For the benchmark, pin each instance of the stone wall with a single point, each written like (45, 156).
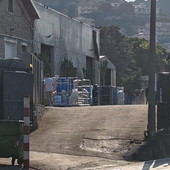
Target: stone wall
(16, 25)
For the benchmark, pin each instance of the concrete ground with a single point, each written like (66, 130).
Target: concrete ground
(89, 138)
(52, 161)
(102, 131)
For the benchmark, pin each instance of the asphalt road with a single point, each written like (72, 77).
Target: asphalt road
(103, 132)
(87, 137)
(92, 131)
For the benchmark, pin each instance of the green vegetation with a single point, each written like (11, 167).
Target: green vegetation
(68, 69)
(130, 56)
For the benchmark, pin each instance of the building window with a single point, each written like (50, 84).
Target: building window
(24, 47)
(10, 48)
(10, 6)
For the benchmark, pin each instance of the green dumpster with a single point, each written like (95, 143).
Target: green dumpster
(11, 140)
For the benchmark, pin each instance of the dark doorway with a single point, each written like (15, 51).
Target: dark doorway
(47, 55)
(89, 68)
(108, 77)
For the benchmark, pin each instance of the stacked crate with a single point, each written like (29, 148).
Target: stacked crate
(84, 89)
(64, 87)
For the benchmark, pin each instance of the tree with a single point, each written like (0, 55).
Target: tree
(67, 69)
(130, 56)
(117, 49)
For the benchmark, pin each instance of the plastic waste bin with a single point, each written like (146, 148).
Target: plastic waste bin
(11, 140)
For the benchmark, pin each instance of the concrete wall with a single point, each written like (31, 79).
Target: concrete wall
(70, 38)
(15, 26)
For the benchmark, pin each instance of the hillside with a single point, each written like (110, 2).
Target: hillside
(126, 15)
(164, 6)
(60, 5)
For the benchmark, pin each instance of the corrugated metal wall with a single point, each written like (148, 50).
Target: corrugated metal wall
(16, 85)
(19, 80)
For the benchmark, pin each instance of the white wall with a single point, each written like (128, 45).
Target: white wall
(70, 38)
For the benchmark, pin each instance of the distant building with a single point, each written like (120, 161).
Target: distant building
(141, 9)
(162, 32)
(117, 3)
(87, 7)
(141, 32)
(16, 27)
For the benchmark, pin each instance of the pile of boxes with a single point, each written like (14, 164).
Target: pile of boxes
(71, 91)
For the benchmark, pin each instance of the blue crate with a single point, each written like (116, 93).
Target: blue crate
(65, 83)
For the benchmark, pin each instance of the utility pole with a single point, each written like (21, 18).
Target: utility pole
(152, 65)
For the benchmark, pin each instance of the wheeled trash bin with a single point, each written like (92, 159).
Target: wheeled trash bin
(11, 140)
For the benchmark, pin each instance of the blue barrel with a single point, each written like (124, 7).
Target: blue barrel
(71, 84)
(64, 84)
(57, 100)
(58, 88)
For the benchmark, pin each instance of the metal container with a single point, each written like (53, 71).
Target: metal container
(163, 116)
(15, 86)
(106, 95)
(16, 82)
(11, 140)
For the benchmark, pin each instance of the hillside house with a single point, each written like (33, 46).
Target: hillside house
(87, 7)
(117, 3)
(141, 9)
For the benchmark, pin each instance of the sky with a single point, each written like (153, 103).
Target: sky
(130, 0)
